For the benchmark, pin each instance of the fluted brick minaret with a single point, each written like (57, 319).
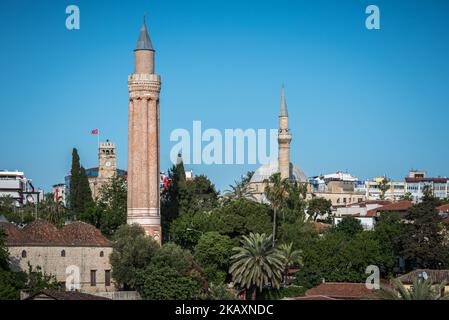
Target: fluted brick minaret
(143, 140)
(284, 140)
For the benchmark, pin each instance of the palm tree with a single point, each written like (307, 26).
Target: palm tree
(384, 186)
(256, 263)
(422, 289)
(241, 188)
(276, 191)
(290, 256)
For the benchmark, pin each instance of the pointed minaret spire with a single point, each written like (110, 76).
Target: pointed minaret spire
(144, 41)
(284, 139)
(284, 112)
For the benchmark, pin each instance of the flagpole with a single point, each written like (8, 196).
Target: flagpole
(98, 137)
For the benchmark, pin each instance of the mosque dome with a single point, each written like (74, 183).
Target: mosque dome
(267, 170)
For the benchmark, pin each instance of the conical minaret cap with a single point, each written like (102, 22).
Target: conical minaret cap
(284, 112)
(144, 41)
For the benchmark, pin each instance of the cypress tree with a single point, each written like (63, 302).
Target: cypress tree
(80, 197)
(179, 175)
(74, 181)
(84, 192)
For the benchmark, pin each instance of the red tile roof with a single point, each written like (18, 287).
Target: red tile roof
(43, 233)
(443, 208)
(314, 298)
(340, 290)
(402, 205)
(435, 180)
(319, 226)
(435, 276)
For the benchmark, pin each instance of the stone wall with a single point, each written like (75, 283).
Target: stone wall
(52, 262)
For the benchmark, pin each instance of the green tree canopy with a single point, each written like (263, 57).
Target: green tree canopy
(340, 258)
(110, 209)
(350, 226)
(318, 207)
(171, 275)
(132, 252)
(80, 196)
(213, 253)
(241, 217)
(423, 243)
(277, 192)
(4, 254)
(384, 186)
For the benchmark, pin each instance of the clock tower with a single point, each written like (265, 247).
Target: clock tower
(107, 161)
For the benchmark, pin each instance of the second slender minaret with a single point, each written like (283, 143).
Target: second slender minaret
(284, 140)
(143, 140)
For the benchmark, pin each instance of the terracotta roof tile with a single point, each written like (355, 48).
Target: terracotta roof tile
(443, 208)
(435, 180)
(403, 205)
(43, 233)
(340, 290)
(82, 234)
(319, 226)
(314, 298)
(436, 276)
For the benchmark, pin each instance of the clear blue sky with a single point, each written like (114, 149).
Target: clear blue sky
(370, 102)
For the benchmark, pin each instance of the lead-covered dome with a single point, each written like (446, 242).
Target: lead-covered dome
(267, 170)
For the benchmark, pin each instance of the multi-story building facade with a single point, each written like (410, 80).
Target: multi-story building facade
(340, 188)
(417, 181)
(395, 192)
(14, 184)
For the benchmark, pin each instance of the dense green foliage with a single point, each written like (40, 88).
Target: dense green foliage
(350, 226)
(80, 196)
(234, 219)
(132, 252)
(423, 243)
(108, 213)
(171, 275)
(257, 263)
(318, 207)
(213, 253)
(338, 257)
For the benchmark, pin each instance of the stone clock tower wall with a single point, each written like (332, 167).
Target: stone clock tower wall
(143, 140)
(107, 168)
(107, 160)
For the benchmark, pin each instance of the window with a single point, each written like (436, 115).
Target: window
(63, 253)
(107, 278)
(93, 278)
(24, 254)
(101, 254)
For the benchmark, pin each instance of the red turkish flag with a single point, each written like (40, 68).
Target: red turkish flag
(95, 131)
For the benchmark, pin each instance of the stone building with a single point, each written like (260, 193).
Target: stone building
(107, 169)
(417, 181)
(76, 246)
(143, 139)
(339, 187)
(282, 165)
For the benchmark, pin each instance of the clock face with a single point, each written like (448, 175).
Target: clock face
(107, 164)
